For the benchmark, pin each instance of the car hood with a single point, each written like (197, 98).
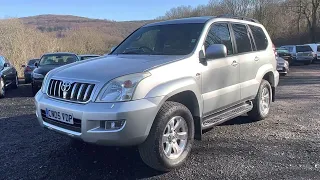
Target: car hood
(105, 68)
(44, 69)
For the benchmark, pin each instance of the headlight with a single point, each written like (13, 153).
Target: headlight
(44, 84)
(37, 76)
(121, 88)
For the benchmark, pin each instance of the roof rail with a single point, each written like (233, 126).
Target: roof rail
(238, 17)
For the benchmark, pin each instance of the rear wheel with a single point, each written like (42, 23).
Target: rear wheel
(261, 104)
(16, 83)
(170, 139)
(2, 88)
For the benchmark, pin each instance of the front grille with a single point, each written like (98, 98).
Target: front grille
(77, 92)
(76, 126)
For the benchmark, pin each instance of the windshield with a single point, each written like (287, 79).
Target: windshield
(171, 39)
(303, 48)
(282, 50)
(60, 59)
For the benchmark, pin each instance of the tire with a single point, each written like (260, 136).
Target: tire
(152, 151)
(15, 85)
(27, 81)
(2, 88)
(259, 112)
(307, 63)
(34, 90)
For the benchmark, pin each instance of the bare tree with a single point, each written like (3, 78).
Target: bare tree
(309, 9)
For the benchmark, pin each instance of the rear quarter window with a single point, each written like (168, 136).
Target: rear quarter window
(303, 48)
(318, 48)
(242, 38)
(259, 37)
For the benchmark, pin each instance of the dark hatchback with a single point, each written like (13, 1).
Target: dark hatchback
(8, 76)
(47, 63)
(28, 70)
(285, 54)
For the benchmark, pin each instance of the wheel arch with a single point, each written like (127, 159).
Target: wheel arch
(185, 91)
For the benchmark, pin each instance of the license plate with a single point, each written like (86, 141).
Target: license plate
(59, 116)
(279, 69)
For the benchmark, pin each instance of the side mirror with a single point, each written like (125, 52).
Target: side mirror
(36, 64)
(23, 66)
(112, 48)
(216, 51)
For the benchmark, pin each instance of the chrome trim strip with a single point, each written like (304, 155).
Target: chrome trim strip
(59, 94)
(55, 87)
(85, 97)
(79, 92)
(51, 86)
(73, 90)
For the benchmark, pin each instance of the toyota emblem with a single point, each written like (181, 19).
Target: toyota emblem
(65, 87)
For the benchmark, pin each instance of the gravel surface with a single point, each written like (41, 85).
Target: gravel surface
(283, 146)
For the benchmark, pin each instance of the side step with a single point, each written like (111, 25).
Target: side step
(225, 115)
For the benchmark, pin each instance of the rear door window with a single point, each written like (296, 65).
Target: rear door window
(241, 35)
(32, 62)
(259, 37)
(219, 34)
(303, 48)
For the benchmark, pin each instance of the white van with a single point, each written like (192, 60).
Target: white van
(301, 53)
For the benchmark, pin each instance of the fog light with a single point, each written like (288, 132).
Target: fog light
(112, 125)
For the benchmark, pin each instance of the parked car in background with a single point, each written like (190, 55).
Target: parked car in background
(301, 53)
(316, 51)
(285, 54)
(282, 66)
(8, 76)
(163, 85)
(47, 63)
(28, 70)
(87, 56)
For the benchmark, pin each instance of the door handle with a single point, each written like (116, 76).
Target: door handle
(234, 63)
(256, 59)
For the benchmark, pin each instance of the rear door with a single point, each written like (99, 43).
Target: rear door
(249, 59)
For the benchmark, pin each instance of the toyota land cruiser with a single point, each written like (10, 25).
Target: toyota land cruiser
(162, 86)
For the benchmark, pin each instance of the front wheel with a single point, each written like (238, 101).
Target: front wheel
(170, 139)
(307, 63)
(261, 104)
(34, 89)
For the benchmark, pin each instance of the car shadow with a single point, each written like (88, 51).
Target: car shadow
(49, 155)
(238, 121)
(24, 90)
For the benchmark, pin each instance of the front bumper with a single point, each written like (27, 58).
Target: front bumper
(138, 116)
(282, 69)
(37, 83)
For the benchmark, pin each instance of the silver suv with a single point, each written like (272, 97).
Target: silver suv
(162, 86)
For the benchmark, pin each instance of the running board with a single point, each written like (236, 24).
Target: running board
(226, 115)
